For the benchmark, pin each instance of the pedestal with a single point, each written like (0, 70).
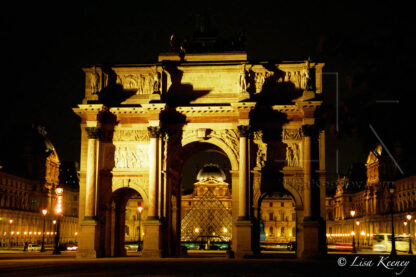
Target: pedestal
(88, 238)
(310, 239)
(152, 242)
(242, 243)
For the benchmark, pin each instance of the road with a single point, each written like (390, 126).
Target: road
(45, 264)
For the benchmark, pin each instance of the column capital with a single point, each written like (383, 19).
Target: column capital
(244, 130)
(93, 132)
(308, 130)
(154, 132)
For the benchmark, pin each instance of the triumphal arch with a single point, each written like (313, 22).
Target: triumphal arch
(141, 123)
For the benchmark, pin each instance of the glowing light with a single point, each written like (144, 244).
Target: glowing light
(18, 233)
(44, 211)
(352, 212)
(25, 233)
(409, 217)
(362, 233)
(12, 233)
(54, 221)
(140, 209)
(30, 233)
(225, 230)
(76, 233)
(10, 221)
(197, 230)
(405, 223)
(358, 223)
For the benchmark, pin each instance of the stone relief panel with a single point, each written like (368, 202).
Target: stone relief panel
(260, 78)
(299, 77)
(131, 156)
(131, 135)
(292, 134)
(293, 154)
(143, 83)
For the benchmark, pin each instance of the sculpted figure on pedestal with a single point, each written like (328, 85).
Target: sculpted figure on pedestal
(95, 81)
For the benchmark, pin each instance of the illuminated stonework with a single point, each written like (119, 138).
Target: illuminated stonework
(371, 201)
(153, 118)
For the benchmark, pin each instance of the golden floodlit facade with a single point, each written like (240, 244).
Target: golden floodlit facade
(141, 123)
(372, 203)
(23, 198)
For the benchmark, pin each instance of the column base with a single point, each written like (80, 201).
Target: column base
(242, 243)
(152, 246)
(87, 239)
(310, 239)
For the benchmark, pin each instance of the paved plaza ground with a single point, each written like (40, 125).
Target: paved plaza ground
(46, 264)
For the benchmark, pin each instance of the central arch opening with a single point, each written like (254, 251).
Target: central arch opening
(206, 201)
(127, 216)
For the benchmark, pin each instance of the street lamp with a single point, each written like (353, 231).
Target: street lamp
(59, 211)
(358, 230)
(393, 239)
(44, 212)
(139, 209)
(10, 232)
(409, 218)
(354, 250)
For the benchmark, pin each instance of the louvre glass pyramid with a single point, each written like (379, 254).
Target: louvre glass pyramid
(208, 218)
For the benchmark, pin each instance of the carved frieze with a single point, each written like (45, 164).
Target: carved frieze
(128, 156)
(300, 78)
(260, 78)
(143, 83)
(131, 135)
(292, 134)
(293, 154)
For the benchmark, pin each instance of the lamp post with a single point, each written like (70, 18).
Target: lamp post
(393, 239)
(354, 250)
(409, 218)
(54, 226)
(44, 213)
(358, 232)
(58, 210)
(10, 232)
(139, 209)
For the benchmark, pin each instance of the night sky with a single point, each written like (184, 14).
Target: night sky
(45, 44)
